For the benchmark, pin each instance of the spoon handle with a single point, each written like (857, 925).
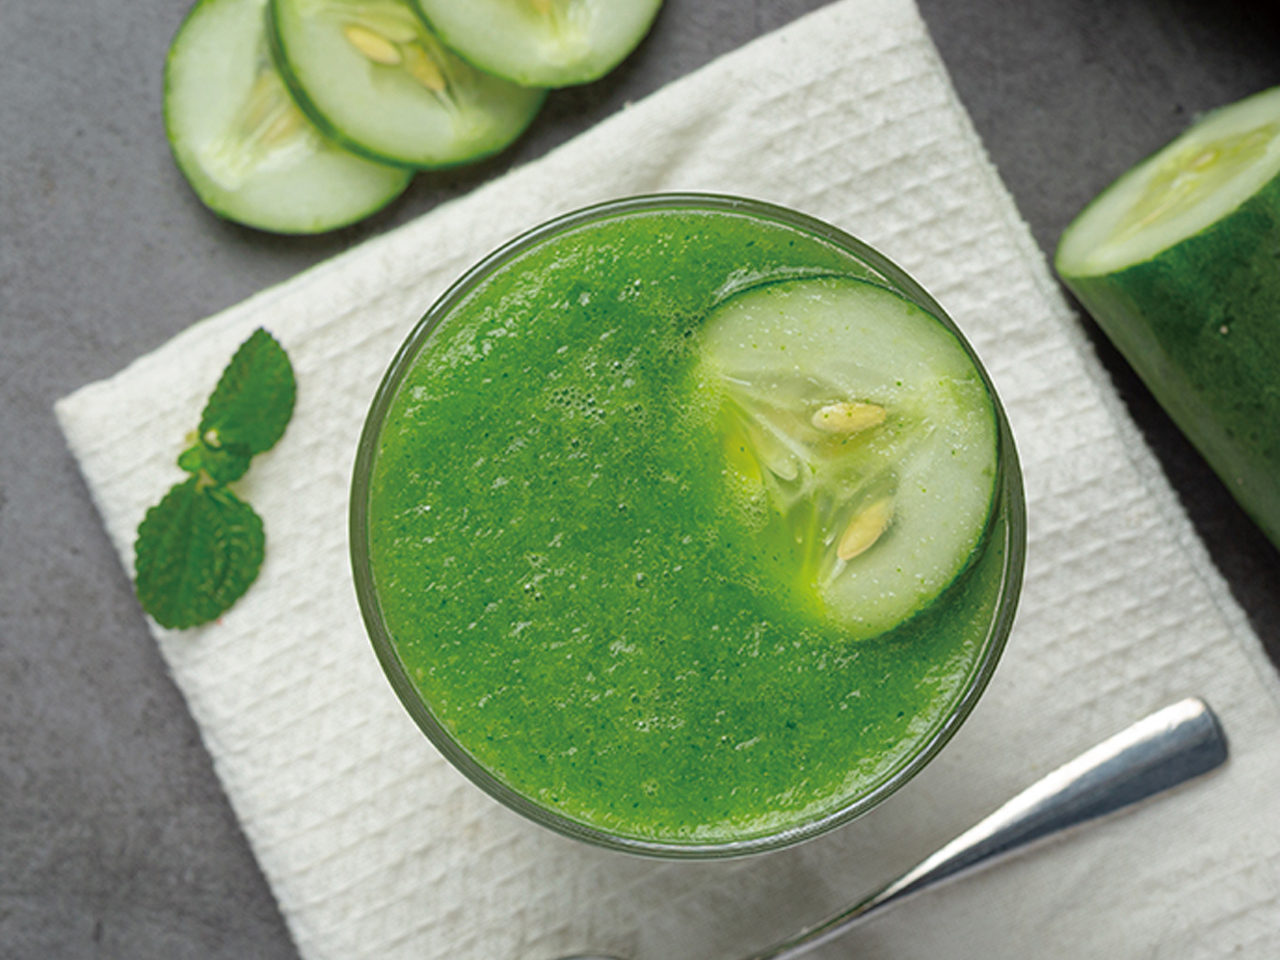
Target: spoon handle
(1171, 746)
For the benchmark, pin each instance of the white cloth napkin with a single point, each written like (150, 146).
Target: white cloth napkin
(376, 848)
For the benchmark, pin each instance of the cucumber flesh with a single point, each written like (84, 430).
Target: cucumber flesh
(241, 142)
(860, 442)
(375, 79)
(1193, 182)
(542, 43)
(1177, 262)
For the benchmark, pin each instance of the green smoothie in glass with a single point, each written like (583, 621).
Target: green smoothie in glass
(687, 525)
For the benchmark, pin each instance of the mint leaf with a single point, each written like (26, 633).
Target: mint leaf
(253, 400)
(198, 550)
(221, 464)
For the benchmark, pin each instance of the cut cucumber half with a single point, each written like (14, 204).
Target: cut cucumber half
(1191, 184)
(1179, 263)
(543, 43)
(375, 79)
(860, 442)
(241, 142)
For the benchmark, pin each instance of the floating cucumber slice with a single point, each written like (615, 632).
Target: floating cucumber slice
(241, 142)
(543, 43)
(860, 441)
(373, 77)
(1179, 263)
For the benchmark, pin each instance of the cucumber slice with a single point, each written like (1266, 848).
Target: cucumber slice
(860, 442)
(1179, 263)
(542, 43)
(373, 77)
(241, 142)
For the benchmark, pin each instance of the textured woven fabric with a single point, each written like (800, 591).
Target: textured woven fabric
(376, 848)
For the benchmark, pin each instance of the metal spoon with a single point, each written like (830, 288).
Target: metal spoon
(1167, 748)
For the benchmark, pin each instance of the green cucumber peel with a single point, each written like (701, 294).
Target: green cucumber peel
(200, 548)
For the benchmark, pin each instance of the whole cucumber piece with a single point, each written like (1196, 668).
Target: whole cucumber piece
(1179, 263)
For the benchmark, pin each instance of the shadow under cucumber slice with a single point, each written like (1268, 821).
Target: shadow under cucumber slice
(248, 152)
(377, 80)
(860, 442)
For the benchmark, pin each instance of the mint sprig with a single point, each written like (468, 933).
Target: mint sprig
(200, 548)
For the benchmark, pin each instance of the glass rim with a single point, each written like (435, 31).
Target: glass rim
(1008, 502)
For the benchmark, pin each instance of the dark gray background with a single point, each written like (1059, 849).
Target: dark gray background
(115, 837)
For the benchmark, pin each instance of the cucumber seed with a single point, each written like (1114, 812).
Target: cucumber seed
(866, 527)
(373, 45)
(848, 417)
(424, 69)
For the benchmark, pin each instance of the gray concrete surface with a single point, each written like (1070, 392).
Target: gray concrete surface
(115, 838)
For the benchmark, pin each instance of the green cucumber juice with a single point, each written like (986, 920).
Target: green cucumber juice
(680, 528)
